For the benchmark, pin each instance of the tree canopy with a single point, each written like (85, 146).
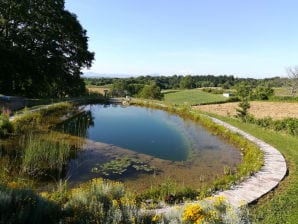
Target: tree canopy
(43, 48)
(186, 82)
(151, 91)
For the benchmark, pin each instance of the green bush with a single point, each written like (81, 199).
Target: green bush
(288, 125)
(25, 206)
(213, 90)
(151, 91)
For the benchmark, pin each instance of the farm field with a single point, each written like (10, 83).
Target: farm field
(192, 97)
(97, 89)
(276, 110)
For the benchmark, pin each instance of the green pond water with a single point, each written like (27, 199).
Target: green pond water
(148, 131)
(178, 148)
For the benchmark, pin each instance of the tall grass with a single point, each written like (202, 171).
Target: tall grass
(6, 126)
(41, 118)
(45, 156)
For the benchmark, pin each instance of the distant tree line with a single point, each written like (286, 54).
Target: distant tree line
(134, 85)
(43, 48)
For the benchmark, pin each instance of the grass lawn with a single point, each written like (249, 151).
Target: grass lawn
(192, 97)
(280, 205)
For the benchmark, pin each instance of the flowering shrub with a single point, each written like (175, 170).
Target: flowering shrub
(100, 201)
(194, 213)
(214, 210)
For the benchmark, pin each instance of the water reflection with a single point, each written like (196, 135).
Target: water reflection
(78, 125)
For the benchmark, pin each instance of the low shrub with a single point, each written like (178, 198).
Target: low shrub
(288, 125)
(100, 201)
(213, 90)
(25, 206)
(214, 210)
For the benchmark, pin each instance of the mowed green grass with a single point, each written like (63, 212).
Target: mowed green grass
(192, 97)
(281, 205)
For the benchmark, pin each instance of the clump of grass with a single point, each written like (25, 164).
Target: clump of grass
(27, 122)
(45, 156)
(6, 126)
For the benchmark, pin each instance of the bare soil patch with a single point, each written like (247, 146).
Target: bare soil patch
(276, 110)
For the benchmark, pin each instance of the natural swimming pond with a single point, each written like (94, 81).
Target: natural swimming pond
(143, 147)
(139, 146)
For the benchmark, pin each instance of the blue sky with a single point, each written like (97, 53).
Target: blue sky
(255, 38)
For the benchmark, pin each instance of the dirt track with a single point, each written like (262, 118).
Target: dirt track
(276, 110)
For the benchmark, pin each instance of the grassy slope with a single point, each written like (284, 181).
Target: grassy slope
(193, 96)
(281, 205)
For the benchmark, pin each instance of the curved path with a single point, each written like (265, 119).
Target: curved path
(272, 172)
(251, 189)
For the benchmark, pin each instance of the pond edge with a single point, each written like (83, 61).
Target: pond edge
(251, 189)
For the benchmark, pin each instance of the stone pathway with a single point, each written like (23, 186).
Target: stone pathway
(251, 189)
(272, 172)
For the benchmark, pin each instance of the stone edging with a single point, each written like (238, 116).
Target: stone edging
(251, 189)
(272, 172)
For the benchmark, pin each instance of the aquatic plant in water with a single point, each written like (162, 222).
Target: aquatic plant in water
(121, 166)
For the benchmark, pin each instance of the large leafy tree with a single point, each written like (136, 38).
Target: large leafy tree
(43, 48)
(186, 82)
(151, 91)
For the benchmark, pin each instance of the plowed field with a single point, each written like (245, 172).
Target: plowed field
(276, 110)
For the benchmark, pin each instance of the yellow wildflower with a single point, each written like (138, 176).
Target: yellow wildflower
(155, 218)
(12, 184)
(193, 213)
